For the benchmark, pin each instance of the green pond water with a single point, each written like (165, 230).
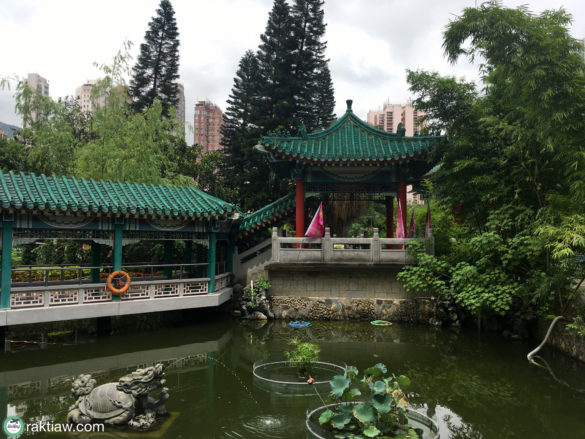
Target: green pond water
(474, 385)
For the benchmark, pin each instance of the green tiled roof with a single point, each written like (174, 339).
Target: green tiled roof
(264, 216)
(348, 141)
(30, 191)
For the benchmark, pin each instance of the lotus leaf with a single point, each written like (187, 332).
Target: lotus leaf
(371, 431)
(353, 393)
(364, 413)
(325, 416)
(338, 385)
(351, 371)
(382, 403)
(378, 387)
(376, 370)
(403, 381)
(341, 419)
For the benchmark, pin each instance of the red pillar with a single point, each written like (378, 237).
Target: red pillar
(300, 200)
(402, 198)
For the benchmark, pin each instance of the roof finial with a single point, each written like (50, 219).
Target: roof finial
(349, 102)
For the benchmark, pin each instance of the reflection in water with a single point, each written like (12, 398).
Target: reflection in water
(474, 386)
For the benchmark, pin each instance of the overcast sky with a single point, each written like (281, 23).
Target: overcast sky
(371, 43)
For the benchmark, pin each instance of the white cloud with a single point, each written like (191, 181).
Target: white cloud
(370, 42)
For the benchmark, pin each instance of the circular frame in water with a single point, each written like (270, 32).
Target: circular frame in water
(415, 419)
(280, 376)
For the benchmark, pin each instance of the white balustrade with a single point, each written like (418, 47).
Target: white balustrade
(27, 299)
(330, 250)
(194, 288)
(166, 290)
(93, 295)
(136, 292)
(38, 297)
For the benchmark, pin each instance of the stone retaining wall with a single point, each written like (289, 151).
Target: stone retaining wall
(342, 308)
(563, 340)
(337, 282)
(337, 292)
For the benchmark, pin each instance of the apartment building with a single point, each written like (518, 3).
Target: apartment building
(207, 123)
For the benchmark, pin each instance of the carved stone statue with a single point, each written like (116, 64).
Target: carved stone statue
(122, 402)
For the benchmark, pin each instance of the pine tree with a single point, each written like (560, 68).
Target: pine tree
(157, 67)
(324, 99)
(244, 167)
(285, 84)
(275, 58)
(310, 71)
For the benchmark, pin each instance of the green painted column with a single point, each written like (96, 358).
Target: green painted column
(188, 257)
(117, 252)
(95, 262)
(168, 271)
(230, 258)
(200, 259)
(211, 259)
(6, 277)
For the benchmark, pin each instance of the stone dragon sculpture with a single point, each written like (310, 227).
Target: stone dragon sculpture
(125, 402)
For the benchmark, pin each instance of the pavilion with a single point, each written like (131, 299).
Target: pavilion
(349, 157)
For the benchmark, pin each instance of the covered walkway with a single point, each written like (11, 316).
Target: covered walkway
(114, 214)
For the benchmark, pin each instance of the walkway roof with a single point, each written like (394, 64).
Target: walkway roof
(66, 194)
(263, 217)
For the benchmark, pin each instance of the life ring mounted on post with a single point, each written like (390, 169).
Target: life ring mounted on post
(115, 280)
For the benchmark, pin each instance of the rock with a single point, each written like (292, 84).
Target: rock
(236, 313)
(256, 315)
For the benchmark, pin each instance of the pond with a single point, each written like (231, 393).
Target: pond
(474, 385)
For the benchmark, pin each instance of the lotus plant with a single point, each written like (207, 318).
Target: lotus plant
(371, 406)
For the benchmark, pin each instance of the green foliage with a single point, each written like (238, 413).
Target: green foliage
(207, 175)
(50, 130)
(13, 156)
(577, 325)
(130, 147)
(485, 272)
(157, 66)
(371, 406)
(113, 143)
(303, 355)
(250, 292)
(512, 164)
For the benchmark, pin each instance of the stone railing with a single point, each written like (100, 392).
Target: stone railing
(59, 295)
(330, 250)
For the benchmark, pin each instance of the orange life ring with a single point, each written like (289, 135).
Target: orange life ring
(120, 290)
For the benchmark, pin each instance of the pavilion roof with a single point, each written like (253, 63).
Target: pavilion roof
(349, 141)
(66, 194)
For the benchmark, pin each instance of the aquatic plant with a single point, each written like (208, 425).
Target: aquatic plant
(304, 355)
(371, 406)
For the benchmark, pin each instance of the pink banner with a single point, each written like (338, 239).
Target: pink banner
(317, 226)
(400, 222)
(411, 230)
